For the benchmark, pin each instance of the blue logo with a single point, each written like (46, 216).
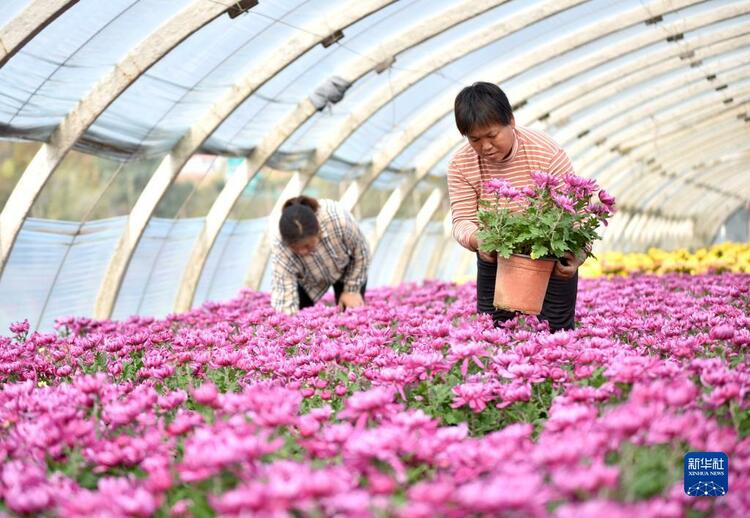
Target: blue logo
(706, 473)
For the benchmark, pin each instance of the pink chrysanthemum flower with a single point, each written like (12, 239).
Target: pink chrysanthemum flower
(564, 202)
(502, 188)
(545, 180)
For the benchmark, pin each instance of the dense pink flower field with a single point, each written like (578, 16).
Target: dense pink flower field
(408, 407)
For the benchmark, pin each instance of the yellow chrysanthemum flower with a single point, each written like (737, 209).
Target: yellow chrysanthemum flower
(723, 257)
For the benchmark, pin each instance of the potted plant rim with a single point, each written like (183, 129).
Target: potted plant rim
(532, 227)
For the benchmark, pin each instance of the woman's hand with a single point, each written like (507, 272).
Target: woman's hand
(351, 300)
(567, 266)
(487, 257)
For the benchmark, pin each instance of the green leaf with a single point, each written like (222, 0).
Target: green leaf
(538, 251)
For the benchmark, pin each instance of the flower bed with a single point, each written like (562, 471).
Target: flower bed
(724, 257)
(407, 407)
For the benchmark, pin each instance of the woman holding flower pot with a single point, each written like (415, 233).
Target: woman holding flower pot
(504, 170)
(319, 245)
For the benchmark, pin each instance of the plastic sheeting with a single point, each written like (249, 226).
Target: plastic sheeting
(423, 252)
(153, 276)
(152, 114)
(385, 258)
(62, 63)
(10, 9)
(51, 73)
(229, 260)
(55, 270)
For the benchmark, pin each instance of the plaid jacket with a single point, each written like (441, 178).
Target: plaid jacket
(341, 254)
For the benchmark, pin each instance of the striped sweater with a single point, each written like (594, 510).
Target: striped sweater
(467, 172)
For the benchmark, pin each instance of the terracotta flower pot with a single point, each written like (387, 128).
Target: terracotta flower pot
(521, 283)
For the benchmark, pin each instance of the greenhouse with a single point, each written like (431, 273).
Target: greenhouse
(182, 182)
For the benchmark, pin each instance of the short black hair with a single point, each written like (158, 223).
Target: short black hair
(298, 220)
(481, 104)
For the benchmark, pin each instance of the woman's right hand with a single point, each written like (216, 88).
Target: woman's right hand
(487, 257)
(350, 300)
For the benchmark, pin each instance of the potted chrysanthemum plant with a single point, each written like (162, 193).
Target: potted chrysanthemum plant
(533, 227)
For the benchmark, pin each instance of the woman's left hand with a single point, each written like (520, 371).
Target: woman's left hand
(350, 300)
(568, 270)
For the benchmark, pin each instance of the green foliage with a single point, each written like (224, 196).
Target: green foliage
(647, 471)
(198, 499)
(130, 369)
(75, 466)
(226, 379)
(596, 380)
(740, 419)
(545, 227)
(731, 414)
(737, 360)
(435, 399)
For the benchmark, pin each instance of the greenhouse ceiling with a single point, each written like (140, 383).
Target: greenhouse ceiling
(648, 97)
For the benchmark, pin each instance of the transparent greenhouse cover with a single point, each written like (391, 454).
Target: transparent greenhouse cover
(62, 63)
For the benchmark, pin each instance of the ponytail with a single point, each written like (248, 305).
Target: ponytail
(298, 220)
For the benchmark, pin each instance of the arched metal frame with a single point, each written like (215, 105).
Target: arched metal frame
(641, 188)
(690, 197)
(629, 110)
(713, 224)
(673, 186)
(648, 236)
(437, 254)
(434, 113)
(610, 82)
(466, 45)
(717, 172)
(686, 151)
(624, 163)
(189, 144)
(424, 163)
(666, 146)
(614, 230)
(703, 167)
(422, 220)
(396, 145)
(619, 224)
(624, 135)
(722, 206)
(398, 194)
(166, 37)
(635, 225)
(678, 123)
(28, 23)
(437, 110)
